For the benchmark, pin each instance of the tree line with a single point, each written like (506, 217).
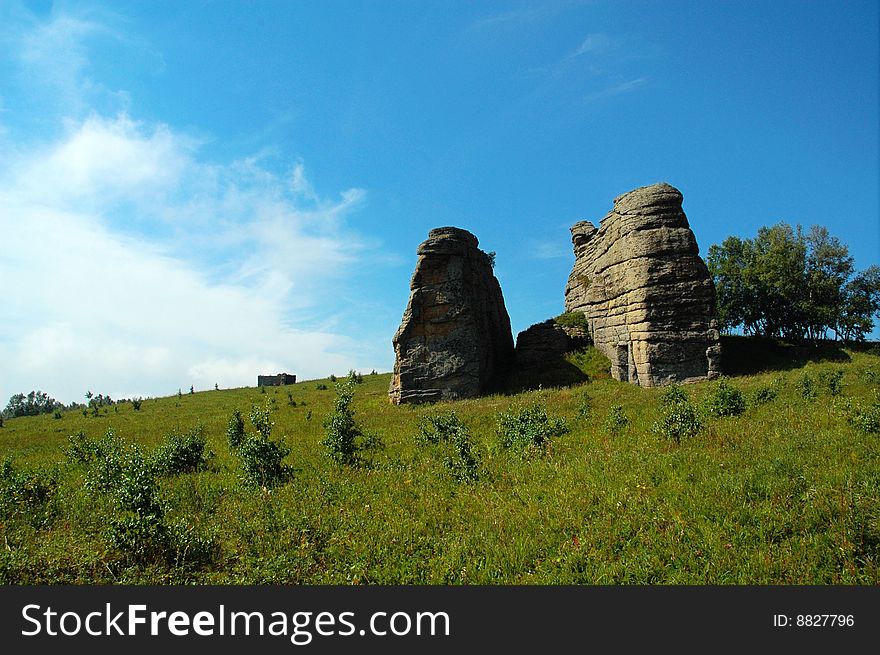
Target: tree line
(795, 284)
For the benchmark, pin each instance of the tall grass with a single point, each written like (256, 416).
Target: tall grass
(787, 491)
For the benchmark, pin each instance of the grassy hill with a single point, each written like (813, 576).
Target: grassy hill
(788, 491)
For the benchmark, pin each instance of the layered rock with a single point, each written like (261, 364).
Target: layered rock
(454, 340)
(646, 293)
(547, 342)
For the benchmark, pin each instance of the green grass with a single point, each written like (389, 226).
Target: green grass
(788, 492)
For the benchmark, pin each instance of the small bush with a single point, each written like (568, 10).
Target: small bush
(679, 418)
(139, 529)
(616, 420)
(57, 414)
(136, 404)
(764, 394)
(528, 430)
(261, 461)
(83, 450)
(807, 387)
(867, 419)
(261, 418)
(438, 428)
(462, 462)
(446, 430)
(584, 406)
(182, 453)
(343, 437)
(833, 381)
(261, 458)
(235, 430)
(355, 377)
(725, 400)
(27, 495)
(573, 320)
(321, 387)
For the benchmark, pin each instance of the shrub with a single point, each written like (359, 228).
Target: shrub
(139, 528)
(833, 381)
(261, 461)
(764, 394)
(867, 419)
(529, 429)
(438, 428)
(678, 418)
(57, 414)
(261, 458)
(573, 320)
(807, 387)
(448, 432)
(182, 453)
(262, 420)
(725, 400)
(321, 387)
(136, 404)
(341, 432)
(585, 406)
(27, 495)
(616, 420)
(235, 430)
(355, 377)
(462, 462)
(872, 374)
(82, 449)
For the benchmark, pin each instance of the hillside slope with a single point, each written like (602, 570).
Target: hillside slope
(788, 491)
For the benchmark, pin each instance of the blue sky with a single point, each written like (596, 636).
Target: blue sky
(193, 192)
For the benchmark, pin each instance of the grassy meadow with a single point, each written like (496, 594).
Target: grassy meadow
(787, 491)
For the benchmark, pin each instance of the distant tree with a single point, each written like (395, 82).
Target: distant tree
(861, 303)
(784, 283)
(32, 404)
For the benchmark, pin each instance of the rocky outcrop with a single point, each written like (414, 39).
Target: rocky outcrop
(454, 340)
(646, 293)
(547, 342)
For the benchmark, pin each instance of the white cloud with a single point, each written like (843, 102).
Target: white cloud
(616, 89)
(596, 43)
(131, 265)
(132, 268)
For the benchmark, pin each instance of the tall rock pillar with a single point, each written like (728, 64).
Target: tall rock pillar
(646, 293)
(454, 340)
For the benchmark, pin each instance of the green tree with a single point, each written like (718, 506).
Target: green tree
(861, 303)
(32, 404)
(784, 283)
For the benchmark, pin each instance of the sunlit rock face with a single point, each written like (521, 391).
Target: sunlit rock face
(454, 340)
(646, 293)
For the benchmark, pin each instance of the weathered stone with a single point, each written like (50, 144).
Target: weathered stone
(645, 291)
(275, 380)
(547, 342)
(454, 340)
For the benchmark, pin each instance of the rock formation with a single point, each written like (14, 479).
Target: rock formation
(547, 342)
(454, 340)
(646, 293)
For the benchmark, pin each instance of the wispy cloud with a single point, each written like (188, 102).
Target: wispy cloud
(597, 43)
(134, 265)
(550, 250)
(616, 89)
(514, 17)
